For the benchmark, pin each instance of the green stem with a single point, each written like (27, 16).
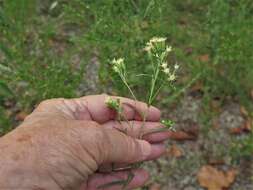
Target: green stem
(153, 83)
(130, 90)
(157, 92)
(128, 87)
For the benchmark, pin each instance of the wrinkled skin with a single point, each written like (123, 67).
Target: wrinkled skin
(64, 144)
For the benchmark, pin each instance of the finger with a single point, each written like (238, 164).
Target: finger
(150, 131)
(132, 110)
(103, 181)
(124, 149)
(158, 150)
(157, 137)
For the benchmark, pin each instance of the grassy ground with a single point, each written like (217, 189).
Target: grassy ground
(47, 47)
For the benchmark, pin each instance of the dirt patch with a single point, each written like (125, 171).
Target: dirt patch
(211, 147)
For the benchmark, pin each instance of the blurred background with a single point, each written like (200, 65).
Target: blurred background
(63, 48)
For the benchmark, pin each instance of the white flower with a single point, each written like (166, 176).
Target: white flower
(147, 48)
(172, 77)
(176, 66)
(164, 65)
(150, 44)
(115, 68)
(118, 65)
(157, 39)
(166, 71)
(168, 48)
(118, 61)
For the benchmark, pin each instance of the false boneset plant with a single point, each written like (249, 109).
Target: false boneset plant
(162, 74)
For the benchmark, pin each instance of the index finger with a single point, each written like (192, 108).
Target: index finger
(131, 109)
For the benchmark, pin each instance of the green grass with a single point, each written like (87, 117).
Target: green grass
(38, 43)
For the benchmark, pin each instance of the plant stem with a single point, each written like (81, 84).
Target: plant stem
(153, 83)
(130, 90)
(157, 92)
(128, 87)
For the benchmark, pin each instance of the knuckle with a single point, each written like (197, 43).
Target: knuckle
(132, 147)
(104, 96)
(49, 102)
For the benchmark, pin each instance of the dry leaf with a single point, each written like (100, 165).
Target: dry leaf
(214, 179)
(21, 116)
(204, 58)
(191, 129)
(155, 186)
(181, 136)
(187, 132)
(245, 128)
(213, 161)
(248, 125)
(175, 151)
(244, 112)
(236, 131)
(198, 86)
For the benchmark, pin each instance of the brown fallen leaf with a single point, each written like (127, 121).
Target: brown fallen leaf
(155, 186)
(214, 179)
(174, 151)
(236, 130)
(244, 112)
(192, 129)
(189, 130)
(198, 86)
(246, 127)
(215, 162)
(181, 136)
(204, 58)
(21, 116)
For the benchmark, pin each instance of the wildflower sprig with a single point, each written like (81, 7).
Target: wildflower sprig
(158, 52)
(162, 74)
(119, 67)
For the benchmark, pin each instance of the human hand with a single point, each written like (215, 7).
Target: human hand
(62, 144)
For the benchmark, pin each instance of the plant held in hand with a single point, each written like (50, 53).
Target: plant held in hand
(162, 74)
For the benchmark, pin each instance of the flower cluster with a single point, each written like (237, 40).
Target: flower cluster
(153, 42)
(171, 74)
(156, 46)
(113, 104)
(160, 73)
(118, 66)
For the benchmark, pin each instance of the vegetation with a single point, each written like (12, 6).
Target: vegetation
(45, 46)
